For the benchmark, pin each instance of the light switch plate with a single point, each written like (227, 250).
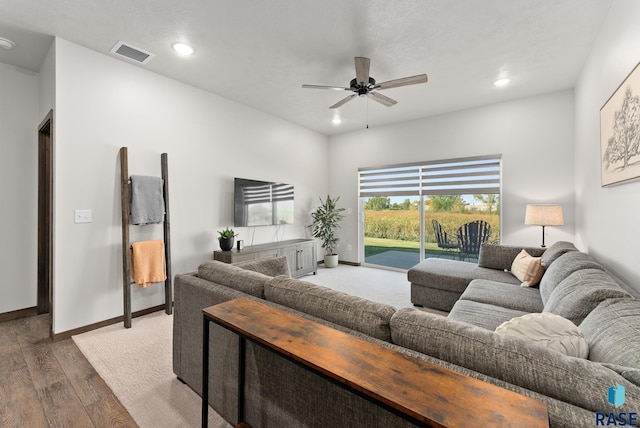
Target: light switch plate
(82, 216)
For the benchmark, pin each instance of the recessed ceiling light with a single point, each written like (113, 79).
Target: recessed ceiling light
(336, 121)
(183, 48)
(6, 43)
(502, 82)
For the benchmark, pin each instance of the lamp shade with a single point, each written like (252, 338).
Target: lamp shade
(544, 215)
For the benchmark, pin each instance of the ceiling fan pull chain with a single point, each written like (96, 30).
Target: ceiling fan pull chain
(367, 112)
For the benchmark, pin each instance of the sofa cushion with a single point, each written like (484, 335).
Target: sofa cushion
(511, 359)
(234, 277)
(561, 268)
(270, 266)
(501, 257)
(612, 330)
(510, 296)
(578, 294)
(434, 298)
(482, 314)
(527, 268)
(556, 250)
(549, 330)
(356, 313)
(454, 275)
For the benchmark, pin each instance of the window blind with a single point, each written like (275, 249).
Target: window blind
(268, 192)
(443, 177)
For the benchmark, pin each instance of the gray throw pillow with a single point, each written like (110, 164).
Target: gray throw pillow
(234, 277)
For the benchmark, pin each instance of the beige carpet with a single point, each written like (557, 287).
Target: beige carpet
(136, 364)
(379, 285)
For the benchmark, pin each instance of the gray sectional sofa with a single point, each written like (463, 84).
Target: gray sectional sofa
(281, 394)
(439, 283)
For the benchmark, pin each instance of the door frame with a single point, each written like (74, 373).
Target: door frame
(45, 219)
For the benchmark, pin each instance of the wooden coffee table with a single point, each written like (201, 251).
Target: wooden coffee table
(423, 393)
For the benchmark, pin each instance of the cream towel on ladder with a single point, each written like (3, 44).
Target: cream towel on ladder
(147, 262)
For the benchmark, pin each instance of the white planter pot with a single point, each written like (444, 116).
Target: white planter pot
(331, 261)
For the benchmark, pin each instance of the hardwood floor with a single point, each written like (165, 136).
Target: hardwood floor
(46, 384)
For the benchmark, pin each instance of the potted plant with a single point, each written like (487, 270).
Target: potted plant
(326, 220)
(226, 239)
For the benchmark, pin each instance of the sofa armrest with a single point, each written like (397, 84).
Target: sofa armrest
(191, 295)
(511, 359)
(495, 256)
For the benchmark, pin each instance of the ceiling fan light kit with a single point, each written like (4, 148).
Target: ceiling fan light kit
(6, 43)
(365, 85)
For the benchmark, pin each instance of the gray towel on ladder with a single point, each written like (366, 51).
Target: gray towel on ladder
(147, 201)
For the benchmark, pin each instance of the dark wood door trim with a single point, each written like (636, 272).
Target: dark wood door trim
(45, 217)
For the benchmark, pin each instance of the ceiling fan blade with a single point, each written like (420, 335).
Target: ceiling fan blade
(362, 70)
(343, 101)
(382, 99)
(334, 88)
(412, 80)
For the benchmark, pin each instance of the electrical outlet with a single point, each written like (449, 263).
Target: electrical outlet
(82, 216)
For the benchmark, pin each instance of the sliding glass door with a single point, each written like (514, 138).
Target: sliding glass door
(392, 231)
(443, 209)
(445, 220)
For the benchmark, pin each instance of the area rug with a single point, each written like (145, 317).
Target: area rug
(136, 364)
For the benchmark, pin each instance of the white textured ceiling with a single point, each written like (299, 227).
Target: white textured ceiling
(259, 53)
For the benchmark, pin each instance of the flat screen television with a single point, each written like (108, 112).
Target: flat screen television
(262, 203)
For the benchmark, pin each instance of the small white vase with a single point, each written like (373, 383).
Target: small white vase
(331, 261)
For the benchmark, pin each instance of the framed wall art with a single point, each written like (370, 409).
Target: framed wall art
(620, 132)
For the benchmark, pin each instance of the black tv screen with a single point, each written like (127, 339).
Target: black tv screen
(262, 203)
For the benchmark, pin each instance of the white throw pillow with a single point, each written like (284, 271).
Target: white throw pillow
(549, 330)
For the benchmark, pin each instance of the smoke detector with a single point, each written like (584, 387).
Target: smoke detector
(131, 53)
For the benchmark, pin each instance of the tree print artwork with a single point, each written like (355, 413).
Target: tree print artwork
(620, 132)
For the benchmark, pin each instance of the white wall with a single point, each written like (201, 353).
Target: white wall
(607, 220)
(18, 192)
(102, 104)
(534, 136)
(47, 84)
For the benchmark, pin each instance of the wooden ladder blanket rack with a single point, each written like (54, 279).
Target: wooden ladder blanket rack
(126, 245)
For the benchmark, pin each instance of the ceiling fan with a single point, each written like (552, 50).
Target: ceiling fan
(365, 85)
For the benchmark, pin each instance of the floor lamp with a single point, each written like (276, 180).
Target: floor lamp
(544, 215)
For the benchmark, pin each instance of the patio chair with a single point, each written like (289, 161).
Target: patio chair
(442, 238)
(471, 236)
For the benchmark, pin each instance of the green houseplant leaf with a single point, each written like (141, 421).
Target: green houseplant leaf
(326, 220)
(227, 233)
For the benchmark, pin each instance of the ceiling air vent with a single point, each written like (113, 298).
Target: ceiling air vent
(131, 53)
